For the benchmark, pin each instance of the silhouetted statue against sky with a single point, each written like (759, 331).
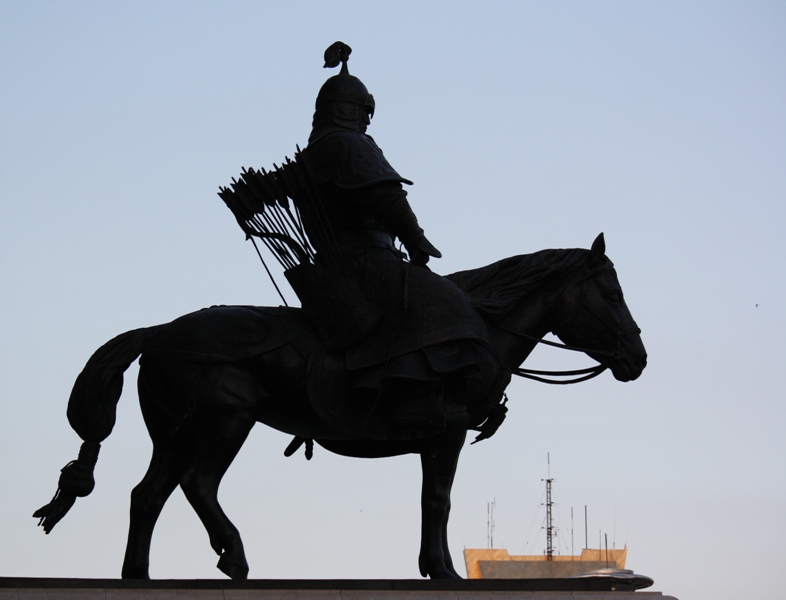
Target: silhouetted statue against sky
(385, 357)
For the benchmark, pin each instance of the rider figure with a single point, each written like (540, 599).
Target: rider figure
(423, 320)
(362, 194)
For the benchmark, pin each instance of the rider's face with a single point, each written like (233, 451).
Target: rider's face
(365, 120)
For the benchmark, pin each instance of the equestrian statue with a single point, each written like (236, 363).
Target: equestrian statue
(384, 357)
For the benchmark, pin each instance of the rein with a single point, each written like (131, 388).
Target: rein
(583, 374)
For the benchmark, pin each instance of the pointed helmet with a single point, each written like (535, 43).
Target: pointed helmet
(343, 101)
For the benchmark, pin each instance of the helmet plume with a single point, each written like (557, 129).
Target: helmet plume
(337, 52)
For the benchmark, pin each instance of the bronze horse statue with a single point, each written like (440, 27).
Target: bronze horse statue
(206, 378)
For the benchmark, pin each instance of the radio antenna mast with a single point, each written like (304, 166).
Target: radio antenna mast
(550, 533)
(490, 523)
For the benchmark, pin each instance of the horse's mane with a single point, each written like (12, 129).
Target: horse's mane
(495, 288)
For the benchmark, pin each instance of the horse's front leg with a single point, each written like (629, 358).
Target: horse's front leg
(439, 460)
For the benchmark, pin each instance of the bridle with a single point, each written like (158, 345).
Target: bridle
(579, 374)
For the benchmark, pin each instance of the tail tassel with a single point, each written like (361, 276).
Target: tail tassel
(76, 481)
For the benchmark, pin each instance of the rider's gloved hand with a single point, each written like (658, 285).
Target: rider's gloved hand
(392, 207)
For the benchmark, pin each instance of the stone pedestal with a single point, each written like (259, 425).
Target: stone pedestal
(12, 588)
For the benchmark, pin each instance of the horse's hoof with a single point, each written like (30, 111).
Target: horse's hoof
(129, 573)
(445, 574)
(233, 568)
(437, 572)
(423, 566)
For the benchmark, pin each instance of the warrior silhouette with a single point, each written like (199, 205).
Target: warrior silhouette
(407, 321)
(362, 194)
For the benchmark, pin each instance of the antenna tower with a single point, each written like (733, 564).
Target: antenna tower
(490, 523)
(550, 533)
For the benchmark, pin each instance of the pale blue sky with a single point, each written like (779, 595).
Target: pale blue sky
(524, 125)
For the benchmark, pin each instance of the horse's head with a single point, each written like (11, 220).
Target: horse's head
(594, 316)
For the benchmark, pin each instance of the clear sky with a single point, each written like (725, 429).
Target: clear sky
(524, 125)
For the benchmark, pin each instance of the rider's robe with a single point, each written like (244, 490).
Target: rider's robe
(427, 331)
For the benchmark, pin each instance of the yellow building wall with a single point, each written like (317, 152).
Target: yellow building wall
(472, 557)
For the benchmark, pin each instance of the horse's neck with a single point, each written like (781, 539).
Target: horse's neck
(515, 335)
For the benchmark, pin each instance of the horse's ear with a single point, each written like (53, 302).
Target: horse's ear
(598, 249)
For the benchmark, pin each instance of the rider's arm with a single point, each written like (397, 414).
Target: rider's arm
(388, 202)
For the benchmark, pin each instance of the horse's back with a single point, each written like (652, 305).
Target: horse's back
(228, 333)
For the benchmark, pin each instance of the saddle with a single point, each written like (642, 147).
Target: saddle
(410, 396)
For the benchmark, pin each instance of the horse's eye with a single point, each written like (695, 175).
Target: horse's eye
(615, 297)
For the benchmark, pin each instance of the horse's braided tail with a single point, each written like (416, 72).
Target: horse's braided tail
(91, 413)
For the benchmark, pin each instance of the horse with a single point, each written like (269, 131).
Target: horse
(203, 385)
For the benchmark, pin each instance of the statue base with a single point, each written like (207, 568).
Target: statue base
(23, 588)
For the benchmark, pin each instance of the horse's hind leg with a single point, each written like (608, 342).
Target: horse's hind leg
(217, 447)
(164, 473)
(147, 500)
